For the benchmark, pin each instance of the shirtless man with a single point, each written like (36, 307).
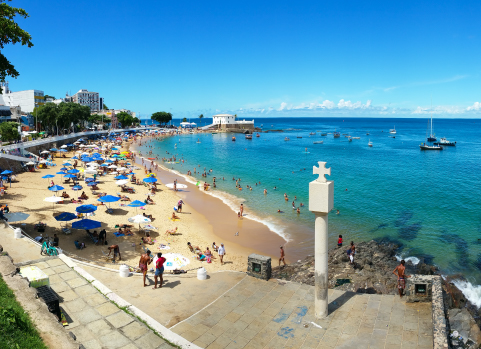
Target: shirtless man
(282, 257)
(145, 260)
(116, 250)
(401, 277)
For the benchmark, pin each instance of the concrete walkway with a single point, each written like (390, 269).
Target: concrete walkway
(180, 297)
(94, 319)
(258, 314)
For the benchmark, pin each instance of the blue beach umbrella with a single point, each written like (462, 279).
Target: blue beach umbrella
(86, 224)
(65, 216)
(70, 176)
(136, 203)
(104, 165)
(55, 188)
(48, 176)
(75, 158)
(86, 208)
(64, 169)
(89, 180)
(150, 180)
(109, 161)
(88, 159)
(54, 149)
(92, 184)
(77, 187)
(6, 172)
(121, 177)
(74, 170)
(63, 150)
(108, 198)
(61, 173)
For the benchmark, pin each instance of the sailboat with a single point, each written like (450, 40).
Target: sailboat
(370, 143)
(393, 131)
(432, 136)
(425, 146)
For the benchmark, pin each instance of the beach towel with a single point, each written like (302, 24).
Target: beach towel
(119, 234)
(176, 219)
(164, 247)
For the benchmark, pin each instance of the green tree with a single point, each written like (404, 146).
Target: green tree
(125, 119)
(161, 117)
(62, 116)
(105, 107)
(48, 96)
(11, 33)
(9, 131)
(136, 121)
(201, 116)
(184, 120)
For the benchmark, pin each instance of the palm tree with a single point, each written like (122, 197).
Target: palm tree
(200, 118)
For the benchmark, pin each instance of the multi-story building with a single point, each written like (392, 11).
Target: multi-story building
(92, 99)
(27, 100)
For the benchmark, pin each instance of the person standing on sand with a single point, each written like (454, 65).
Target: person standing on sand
(242, 210)
(116, 250)
(221, 251)
(144, 261)
(159, 270)
(401, 277)
(282, 257)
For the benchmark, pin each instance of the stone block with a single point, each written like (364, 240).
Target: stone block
(259, 266)
(120, 319)
(419, 288)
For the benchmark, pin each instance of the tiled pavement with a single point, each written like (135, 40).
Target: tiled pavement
(258, 314)
(95, 321)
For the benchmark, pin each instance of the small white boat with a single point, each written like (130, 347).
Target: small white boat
(248, 136)
(393, 131)
(287, 139)
(370, 143)
(356, 137)
(318, 142)
(444, 141)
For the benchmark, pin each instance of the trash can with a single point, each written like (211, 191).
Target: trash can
(17, 232)
(124, 271)
(202, 274)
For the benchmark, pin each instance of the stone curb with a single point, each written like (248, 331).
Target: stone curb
(439, 317)
(120, 302)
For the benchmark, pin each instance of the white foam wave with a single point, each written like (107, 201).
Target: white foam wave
(470, 291)
(413, 260)
(233, 202)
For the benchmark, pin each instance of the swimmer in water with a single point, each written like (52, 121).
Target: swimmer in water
(265, 191)
(275, 188)
(298, 210)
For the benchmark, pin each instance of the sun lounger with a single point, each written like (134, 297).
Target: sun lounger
(93, 238)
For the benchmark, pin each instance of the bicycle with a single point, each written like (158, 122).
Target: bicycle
(48, 248)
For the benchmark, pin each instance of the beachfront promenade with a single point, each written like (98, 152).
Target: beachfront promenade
(229, 310)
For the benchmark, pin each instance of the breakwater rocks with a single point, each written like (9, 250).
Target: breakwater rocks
(371, 272)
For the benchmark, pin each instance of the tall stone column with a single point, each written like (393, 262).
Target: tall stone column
(321, 202)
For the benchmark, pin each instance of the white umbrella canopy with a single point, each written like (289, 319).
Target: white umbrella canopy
(30, 163)
(45, 152)
(179, 186)
(88, 171)
(139, 219)
(173, 261)
(122, 182)
(93, 164)
(53, 199)
(63, 146)
(112, 166)
(121, 169)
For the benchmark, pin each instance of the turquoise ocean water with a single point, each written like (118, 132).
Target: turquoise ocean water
(428, 201)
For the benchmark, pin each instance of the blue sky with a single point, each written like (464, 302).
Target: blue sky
(257, 58)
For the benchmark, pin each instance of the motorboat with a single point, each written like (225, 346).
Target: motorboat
(324, 134)
(444, 142)
(337, 135)
(312, 133)
(318, 142)
(393, 131)
(248, 136)
(425, 146)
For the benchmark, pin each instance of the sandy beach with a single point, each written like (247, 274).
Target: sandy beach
(28, 194)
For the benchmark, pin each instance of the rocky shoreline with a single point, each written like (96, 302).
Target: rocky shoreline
(372, 273)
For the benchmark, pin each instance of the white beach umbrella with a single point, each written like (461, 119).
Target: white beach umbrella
(91, 171)
(43, 161)
(45, 152)
(139, 219)
(81, 146)
(53, 199)
(114, 173)
(63, 146)
(173, 261)
(30, 163)
(121, 169)
(112, 166)
(179, 186)
(122, 182)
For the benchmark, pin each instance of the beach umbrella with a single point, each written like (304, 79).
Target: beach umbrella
(121, 168)
(92, 184)
(63, 150)
(87, 159)
(89, 180)
(6, 172)
(109, 161)
(74, 170)
(86, 208)
(112, 166)
(77, 187)
(137, 203)
(139, 219)
(179, 186)
(48, 176)
(64, 169)
(61, 173)
(149, 227)
(90, 171)
(16, 216)
(86, 224)
(45, 152)
(75, 158)
(67, 164)
(174, 261)
(70, 175)
(54, 149)
(63, 146)
(55, 188)
(121, 182)
(53, 199)
(150, 180)
(121, 177)
(108, 198)
(30, 163)
(65, 216)
(104, 165)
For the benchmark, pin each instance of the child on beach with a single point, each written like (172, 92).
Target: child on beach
(339, 241)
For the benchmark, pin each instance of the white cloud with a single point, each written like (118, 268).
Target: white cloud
(476, 106)
(283, 106)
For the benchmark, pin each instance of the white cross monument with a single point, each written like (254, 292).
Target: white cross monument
(321, 202)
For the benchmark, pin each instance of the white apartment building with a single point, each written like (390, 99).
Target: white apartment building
(92, 99)
(27, 100)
